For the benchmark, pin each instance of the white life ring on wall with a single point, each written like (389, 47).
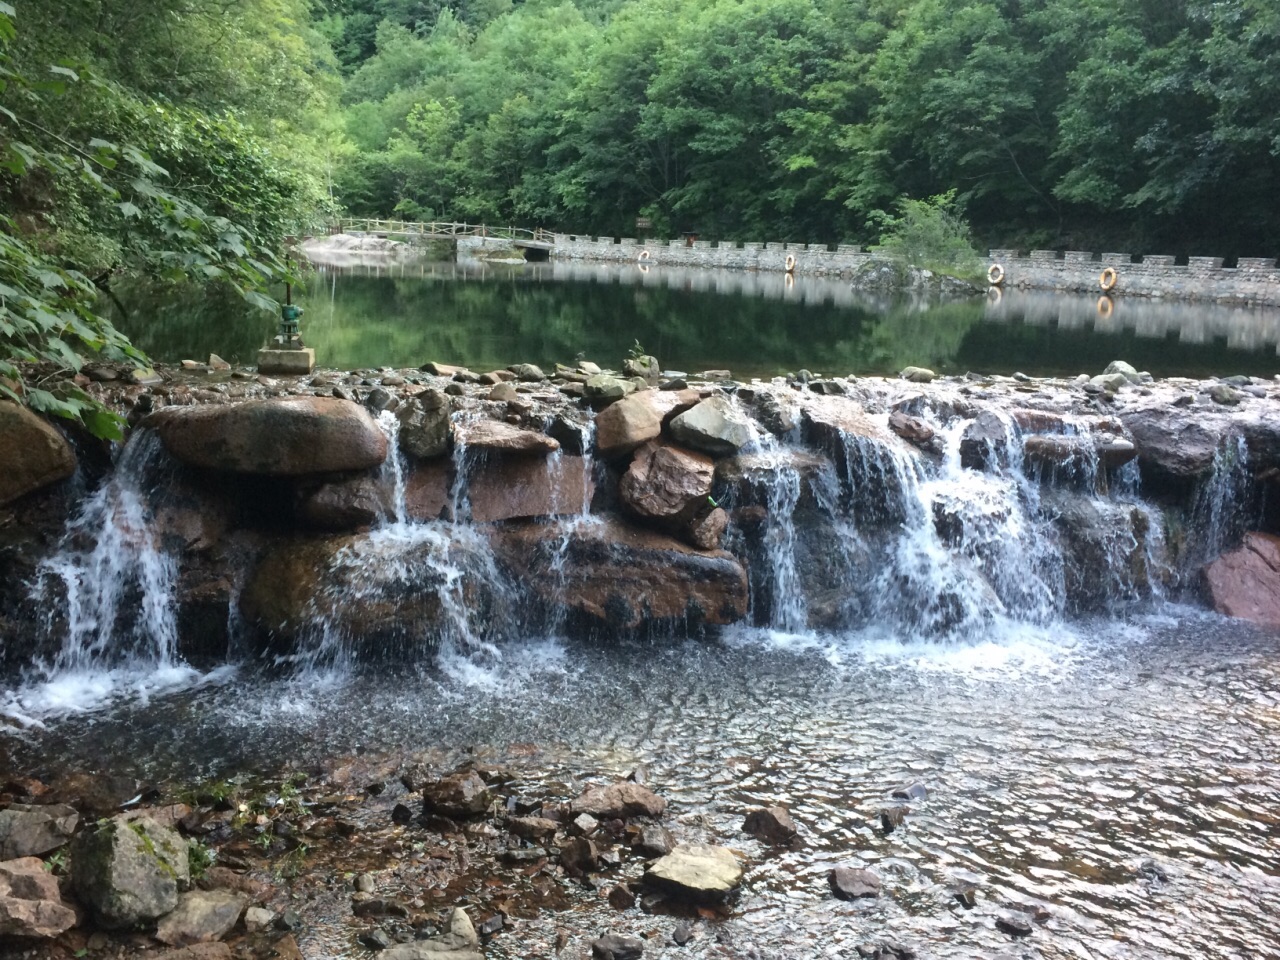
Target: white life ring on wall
(791, 263)
(995, 275)
(1107, 279)
(644, 255)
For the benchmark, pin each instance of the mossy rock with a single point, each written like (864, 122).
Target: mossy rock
(129, 871)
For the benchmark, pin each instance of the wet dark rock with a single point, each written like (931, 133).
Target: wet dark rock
(340, 505)
(621, 577)
(771, 825)
(30, 901)
(1015, 924)
(288, 436)
(676, 383)
(682, 934)
(615, 946)
(378, 400)
(35, 453)
(886, 950)
(779, 414)
(425, 427)
(1178, 443)
(200, 917)
(1245, 583)
(525, 855)
(624, 799)
(621, 897)
(491, 926)
(966, 894)
(363, 905)
(571, 434)
(893, 817)
(984, 442)
(1153, 872)
(532, 828)
(401, 814)
(696, 872)
(376, 939)
(578, 856)
(654, 841)
(461, 795)
(852, 883)
(515, 486)
(288, 920)
(912, 791)
(32, 831)
(128, 872)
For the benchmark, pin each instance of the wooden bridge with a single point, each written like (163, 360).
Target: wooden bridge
(537, 239)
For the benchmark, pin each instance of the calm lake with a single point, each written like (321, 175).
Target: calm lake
(487, 316)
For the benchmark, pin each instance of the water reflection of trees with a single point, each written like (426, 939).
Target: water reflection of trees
(754, 324)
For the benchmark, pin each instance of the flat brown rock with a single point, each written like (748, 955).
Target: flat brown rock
(620, 800)
(495, 435)
(289, 436)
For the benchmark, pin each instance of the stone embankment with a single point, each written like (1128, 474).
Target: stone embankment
(1252, 280)
(640, 500)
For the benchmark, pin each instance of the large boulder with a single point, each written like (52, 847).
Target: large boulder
(621, 577)
(128, 871)
(35, 453)
(378, 592)
(697, 872)
(425, 426)
(288, 436)
(714, 426)
(667, 485)
(631, 422)
(202, 916)
(32, 831)
(493, 435)
(1175, 442)
(1245, 583)
(30, 902)
(505, 487)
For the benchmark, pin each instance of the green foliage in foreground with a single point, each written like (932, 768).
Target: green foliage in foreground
(100, 183)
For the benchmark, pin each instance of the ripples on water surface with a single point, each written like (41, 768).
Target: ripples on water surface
(1057, 763)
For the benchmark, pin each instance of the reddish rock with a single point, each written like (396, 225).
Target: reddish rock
(427, 488)
(666, 484)
(621, 800)
(1038, 421)
(706, 531)
(909, 428)
(623, 577)
(458, 795)
(771, 824)
(35, 454)
(288, 436)
(510, 487)
(1246, 582)
(30, 902)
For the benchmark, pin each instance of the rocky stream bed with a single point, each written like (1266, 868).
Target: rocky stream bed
(344, 524)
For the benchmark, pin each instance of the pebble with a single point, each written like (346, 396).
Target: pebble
(1014, 924)
(852, 883)
(614, 946)
(376, 939)
(914, 791)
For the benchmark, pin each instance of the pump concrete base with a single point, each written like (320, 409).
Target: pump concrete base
(287, 362)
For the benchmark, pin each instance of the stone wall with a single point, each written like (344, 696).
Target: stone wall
(1250, 280)
(812, 259)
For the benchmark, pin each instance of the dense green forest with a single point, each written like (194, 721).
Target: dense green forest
(186, 138)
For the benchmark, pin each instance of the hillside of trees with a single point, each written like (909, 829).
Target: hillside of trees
(184, 139)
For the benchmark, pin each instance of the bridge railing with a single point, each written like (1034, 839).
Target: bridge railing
(439, 230)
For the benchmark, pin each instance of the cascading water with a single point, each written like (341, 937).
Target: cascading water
(1223, 506)
(107, 592)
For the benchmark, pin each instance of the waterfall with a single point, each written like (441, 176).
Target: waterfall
(393, 472)
(109, 586)
(1223, 506)
(107, 594)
